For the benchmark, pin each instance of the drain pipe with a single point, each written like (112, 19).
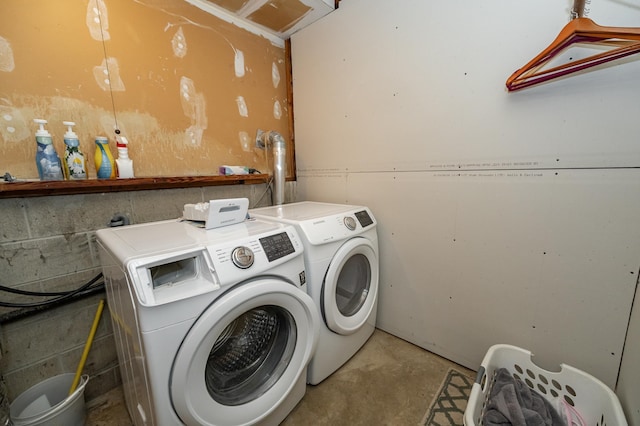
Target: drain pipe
(276, 142)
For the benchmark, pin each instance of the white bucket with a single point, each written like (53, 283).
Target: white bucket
(49, 404)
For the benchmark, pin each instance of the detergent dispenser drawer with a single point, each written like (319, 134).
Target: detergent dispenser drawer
(174, 272)
(164, 279)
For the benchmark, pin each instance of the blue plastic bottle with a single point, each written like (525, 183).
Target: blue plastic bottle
(47, 160)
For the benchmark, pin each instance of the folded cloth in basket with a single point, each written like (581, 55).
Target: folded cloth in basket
(512, 402)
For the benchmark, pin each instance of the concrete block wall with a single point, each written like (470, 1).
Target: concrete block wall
(48, 244)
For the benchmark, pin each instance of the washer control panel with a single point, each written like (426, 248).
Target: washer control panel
(173, 260)
(242, 257)
(277, 246)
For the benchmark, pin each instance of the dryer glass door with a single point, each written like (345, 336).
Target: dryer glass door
(242, 356)
(350, 287)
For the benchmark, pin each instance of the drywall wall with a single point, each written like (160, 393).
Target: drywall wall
(188, 89)
(503, 217)
(629, 378)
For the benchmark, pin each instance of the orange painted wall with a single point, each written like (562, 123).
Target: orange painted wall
(188, 90)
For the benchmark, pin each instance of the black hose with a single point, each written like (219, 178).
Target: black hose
(60, 296)
(18, 314)
(41, 293)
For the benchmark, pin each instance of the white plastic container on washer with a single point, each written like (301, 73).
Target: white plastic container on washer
(596, 403)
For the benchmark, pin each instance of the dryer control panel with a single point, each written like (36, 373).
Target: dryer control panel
(364, 218)
(338, 226)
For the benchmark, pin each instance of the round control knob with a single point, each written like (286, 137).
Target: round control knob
(242, 257)
(350, 223)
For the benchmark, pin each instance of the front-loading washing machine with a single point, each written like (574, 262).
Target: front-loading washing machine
(212, 327)
(342, 264)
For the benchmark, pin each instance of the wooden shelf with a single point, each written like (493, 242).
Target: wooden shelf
(48, 188)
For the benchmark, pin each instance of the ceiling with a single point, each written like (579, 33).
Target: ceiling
(275, 19)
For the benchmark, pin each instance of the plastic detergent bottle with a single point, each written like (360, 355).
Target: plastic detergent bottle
(105, 166)
(123, 162)
(74, 164)
(47, 160)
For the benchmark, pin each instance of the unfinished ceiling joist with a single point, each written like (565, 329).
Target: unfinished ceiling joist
(275, 20)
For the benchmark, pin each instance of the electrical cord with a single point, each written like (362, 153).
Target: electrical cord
(270, 169)
(267, 189)
(59, 296)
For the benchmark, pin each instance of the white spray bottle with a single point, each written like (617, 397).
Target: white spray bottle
(124, 164)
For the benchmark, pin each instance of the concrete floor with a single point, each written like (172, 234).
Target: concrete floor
(388, 382)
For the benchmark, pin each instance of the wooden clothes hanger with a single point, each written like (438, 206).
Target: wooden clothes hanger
(624, 42)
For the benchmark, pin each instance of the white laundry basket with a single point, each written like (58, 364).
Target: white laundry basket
(597, 404)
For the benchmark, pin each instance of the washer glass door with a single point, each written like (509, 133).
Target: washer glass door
(244, 353)
(250, 355)
(350, 286)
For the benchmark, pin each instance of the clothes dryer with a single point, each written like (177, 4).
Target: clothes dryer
(341, 260)
(212, 327)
